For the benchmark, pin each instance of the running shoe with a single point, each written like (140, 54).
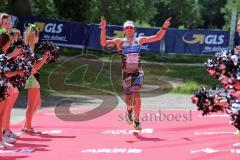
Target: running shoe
(137, 125)
(6, 139)
(129, 117)
(30, 131)
(10, 134)
(5, 145)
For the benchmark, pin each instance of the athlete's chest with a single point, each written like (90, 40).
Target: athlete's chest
(130, 48)
(131, 54)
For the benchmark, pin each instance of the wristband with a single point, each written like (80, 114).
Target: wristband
(164, 28)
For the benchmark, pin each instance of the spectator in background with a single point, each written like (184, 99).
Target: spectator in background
(5, 22)
(237, 38)
(238, 26)
(15, 35)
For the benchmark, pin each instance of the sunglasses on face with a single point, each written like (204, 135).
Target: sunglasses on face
(129, 28)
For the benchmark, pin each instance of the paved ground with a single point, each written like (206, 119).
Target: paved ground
(162, 102)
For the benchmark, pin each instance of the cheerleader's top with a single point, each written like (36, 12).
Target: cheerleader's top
(3, 63)
(34, 79)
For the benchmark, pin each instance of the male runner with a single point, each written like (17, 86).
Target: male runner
(129, 48)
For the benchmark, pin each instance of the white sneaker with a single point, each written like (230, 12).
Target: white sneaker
(6, 139)
(10, 134)
(1, 146)
(6, 145)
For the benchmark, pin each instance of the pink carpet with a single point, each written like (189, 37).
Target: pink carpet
(186, 137)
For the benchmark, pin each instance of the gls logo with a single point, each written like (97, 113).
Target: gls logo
(201, 38)
(49, 27)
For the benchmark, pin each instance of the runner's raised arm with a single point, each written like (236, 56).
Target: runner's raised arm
(158, 36)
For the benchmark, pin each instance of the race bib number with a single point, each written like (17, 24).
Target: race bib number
(132, 60)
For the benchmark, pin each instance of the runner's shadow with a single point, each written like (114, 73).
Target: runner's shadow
(142, 138)
(187, 139)
(29, 145)
(35, 139)
(54, 136)
(49, 136)
(40, 150)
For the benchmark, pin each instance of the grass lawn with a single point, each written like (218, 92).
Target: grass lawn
(192, 76)
(152, 57)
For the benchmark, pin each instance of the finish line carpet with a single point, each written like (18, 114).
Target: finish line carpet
(166, 134)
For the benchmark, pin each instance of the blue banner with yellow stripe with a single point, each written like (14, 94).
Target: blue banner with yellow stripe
(79, 35)
(63, 33)
(196, 41)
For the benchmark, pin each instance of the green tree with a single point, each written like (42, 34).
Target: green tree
(185, 13)
(211, 13)
(44, 8)
(78, 10)
(16, 7)
(19, 7)
(4, 6)
(38, 8)
(227, 11)
(118, 11)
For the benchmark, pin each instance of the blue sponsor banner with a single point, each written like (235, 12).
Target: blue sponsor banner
(69, 34)
(237, 39)
(94, 37)
(196, 41)
(78, 35)
(117, 32)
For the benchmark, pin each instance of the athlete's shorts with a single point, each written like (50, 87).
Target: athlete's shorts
(32, 82)
(131, 80)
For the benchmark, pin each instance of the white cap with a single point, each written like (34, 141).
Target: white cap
(128, 24)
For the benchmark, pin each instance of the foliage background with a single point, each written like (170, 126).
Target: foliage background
(201, 14)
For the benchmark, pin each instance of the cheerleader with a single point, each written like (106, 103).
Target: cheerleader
(15, 35)
(238, 30)
(4, 45)
(13, 91)
(31, 37)
(5, 22)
